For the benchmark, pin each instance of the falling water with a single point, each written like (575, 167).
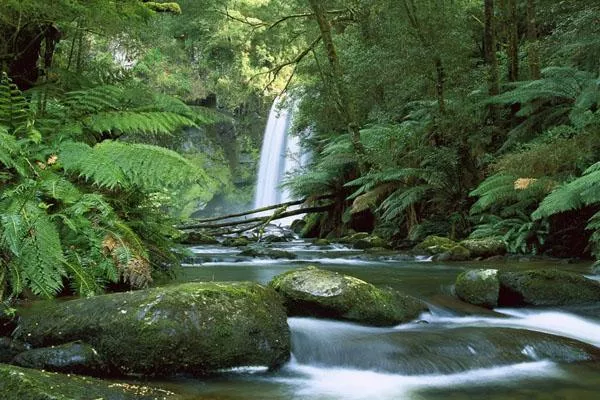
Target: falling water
(280, 155)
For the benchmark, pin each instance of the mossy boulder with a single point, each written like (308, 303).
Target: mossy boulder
(322, 242)
(595, 269)
(9, 348)
(542, 287)
(546, 287)
(487, 247)
(480, 287)
(194, 237)
(76, 357)
(443, 249)
(27, 384)
(319, 293)
(370, 242)
(189, 328)
(353, 238)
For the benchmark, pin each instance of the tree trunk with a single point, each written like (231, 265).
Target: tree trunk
(440, 78)
(513, 41)
(489, 45)
(346, 105)
(533, 55)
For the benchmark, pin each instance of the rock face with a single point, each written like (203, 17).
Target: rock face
(10, 348)
(78, 358)
(26, 384)
(487, 247)
(544, 287)
(319, 293)
(191, 328)
(549, 287)
(480, 287)
(443, 249)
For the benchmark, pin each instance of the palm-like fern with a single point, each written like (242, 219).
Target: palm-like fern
(81, 213)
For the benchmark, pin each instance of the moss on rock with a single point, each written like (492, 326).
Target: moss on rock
(194, 237)
(193, 327)
(480, 287)
(546, 287)
(259, 251)
(315, 292)
(76, 357)
(487, 247)
(9, 348)
(370, 242)
(26, 384)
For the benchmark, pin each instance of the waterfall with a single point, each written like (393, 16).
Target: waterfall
(280, 154)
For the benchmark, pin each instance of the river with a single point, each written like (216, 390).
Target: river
(454, 351)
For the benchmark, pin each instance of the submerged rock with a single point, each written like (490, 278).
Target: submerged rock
(487, 247)
(26, 384)
(480, 287)
(259, 251)
(78, 358)
(192, 328)
(547, 287)
(544, 287)
(428, 351)
(315, 292)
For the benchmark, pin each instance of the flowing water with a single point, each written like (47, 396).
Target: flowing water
(455, 351)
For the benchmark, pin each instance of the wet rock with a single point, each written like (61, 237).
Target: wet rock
(424, 350)
(322, 242)
(353, 238)
(443, 249)
(9, 348)
(487, 247)
(595, 269)
(297, 226)
(274, 239)
(543, 287)
(194, 237)
(480, 287)
(76, 357)
(189, 328)
(547, 287)
(27, 384)
(263, 252)
(315, 292)
(370, 242)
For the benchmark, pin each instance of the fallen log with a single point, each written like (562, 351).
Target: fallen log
(262, 209)
(263, 219)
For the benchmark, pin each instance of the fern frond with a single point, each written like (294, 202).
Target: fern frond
(14, 112)
(582, 191)
(397, 203)
(136, 123)
(94, 100)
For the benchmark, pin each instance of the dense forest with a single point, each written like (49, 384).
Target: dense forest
(459, 118)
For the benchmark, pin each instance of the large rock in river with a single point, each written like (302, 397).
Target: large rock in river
(480, 287)
(192, 328)
(76, 357)
(547, 287)
(543, 287)
(27, 384)
(319, 293)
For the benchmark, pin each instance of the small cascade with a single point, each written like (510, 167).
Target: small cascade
(281, 154)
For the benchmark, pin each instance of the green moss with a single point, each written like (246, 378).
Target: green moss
(548, 287)
(173, 8)
(480, 287)
(194, 327)
(486, 247)
(320, 293)
(26, 384)
(436, 245)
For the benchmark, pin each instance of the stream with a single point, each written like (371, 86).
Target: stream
(454, 351)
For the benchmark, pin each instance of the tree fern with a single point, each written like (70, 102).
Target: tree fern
(137, 123)
(116, 164)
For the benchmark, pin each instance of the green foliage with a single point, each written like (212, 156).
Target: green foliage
(84, 214)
